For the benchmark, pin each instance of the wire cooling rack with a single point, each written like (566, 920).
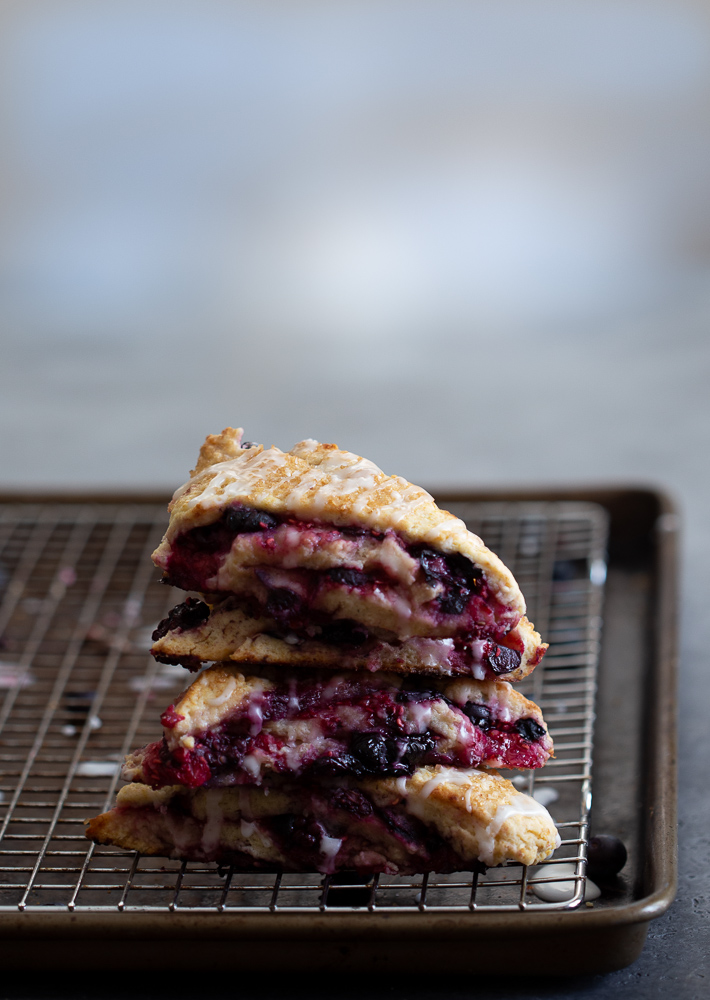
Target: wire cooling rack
(79, 689)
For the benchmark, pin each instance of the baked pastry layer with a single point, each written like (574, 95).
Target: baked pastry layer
(195, 633)
(230, 729)
(439, 819)
(317, 534)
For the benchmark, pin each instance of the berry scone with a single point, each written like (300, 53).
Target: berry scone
(229, 729)
(317, 536)
(438, 819)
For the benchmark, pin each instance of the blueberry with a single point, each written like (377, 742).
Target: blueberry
(282, 603)
(375, 752)
(350, 577)
(184, 616)
(455, 601)
(570, 569)
(350, 800)
(433, 565)
(245, 520)
(417, 747)
(299, 832)
(606, 856)
(530, 730)
(407, 695)
(503, 660)
(463, 570)
(339, 764)
(480, 715)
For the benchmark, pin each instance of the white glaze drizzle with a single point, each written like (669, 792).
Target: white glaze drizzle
(226, 694)
(433, 652)
(519, 805)
(448, 775)
(252, 766)
(563, 891)
(340, 475)
(255, 713)
(420, 714)
(329, 847)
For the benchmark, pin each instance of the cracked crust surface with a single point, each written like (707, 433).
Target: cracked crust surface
(319, 482)
(470, 816)
(231, 634)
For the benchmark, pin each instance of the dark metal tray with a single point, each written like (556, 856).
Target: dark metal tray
(80, 598)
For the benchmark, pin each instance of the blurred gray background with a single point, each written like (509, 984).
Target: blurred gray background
(470, 240)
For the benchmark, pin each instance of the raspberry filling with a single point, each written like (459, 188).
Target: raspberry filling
(343, 727)
(296, 569)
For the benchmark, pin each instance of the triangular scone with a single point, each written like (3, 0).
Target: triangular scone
(440, 819)
(317, 534)
(228, 729)
(195, 633)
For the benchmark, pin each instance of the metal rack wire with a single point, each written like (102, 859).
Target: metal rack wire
(79, 689)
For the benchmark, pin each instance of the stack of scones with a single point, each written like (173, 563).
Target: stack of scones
(356, 649)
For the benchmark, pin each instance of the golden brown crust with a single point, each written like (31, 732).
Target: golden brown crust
(317, 481)
(231, 634)
(218, 448)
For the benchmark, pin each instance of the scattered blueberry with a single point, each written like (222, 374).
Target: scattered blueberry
(480, 715)
(606, 856)
(570, 569)
(530, 730)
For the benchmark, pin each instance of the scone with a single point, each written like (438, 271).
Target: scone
(195, 633)
(439, 819)
(229, 729)
(317, 535)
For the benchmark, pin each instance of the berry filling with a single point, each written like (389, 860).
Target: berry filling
(357, 728)
(305, 573)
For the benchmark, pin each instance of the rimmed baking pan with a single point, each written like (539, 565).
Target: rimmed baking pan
(78, 689)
